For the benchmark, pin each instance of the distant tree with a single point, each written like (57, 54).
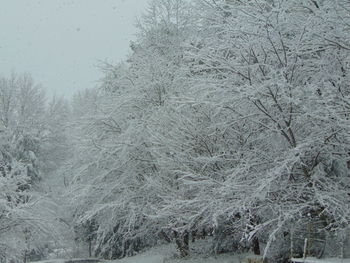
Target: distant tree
(54, 136)
(25, 214)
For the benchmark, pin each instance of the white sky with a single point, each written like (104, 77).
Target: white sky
(61, 41)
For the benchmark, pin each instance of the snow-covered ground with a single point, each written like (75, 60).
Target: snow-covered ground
(161, 259)
(199, 254)
(315, 260)
(148, 257)
(167, 254)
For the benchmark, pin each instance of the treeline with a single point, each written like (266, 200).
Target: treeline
(229, 119)
(32, 143)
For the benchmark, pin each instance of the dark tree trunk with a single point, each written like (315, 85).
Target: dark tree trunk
(186, 240)
(90, 248)
(256, 246)
(182, 243)
(194, 234)
(204, 233)
(164, 236)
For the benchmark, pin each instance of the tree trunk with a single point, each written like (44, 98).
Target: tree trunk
(182, 243)
(256, 246)
(194, 234)
(186, 241)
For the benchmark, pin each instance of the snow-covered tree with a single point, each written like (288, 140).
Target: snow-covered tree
(230, 117)
(26, 215)
(277, 71)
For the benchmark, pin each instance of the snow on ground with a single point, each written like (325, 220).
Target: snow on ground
(200, 253)
(51, 261)
(148, 257)
(168, 254)
(143, 259)
(225, 258)
(315, 260)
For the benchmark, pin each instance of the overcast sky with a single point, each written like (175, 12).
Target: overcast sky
(61, 41)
